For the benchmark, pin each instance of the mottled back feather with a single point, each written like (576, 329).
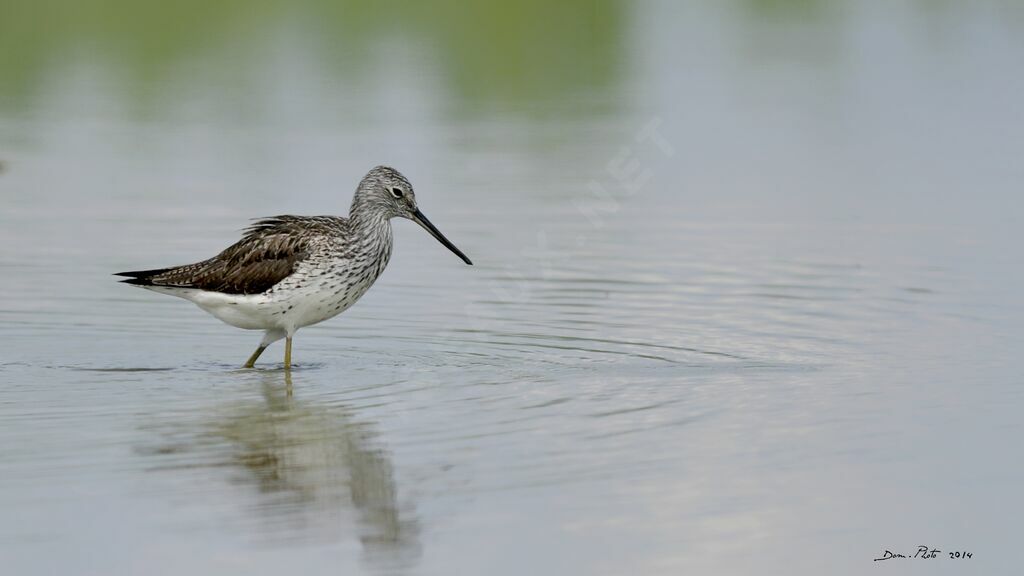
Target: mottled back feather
(268, 252)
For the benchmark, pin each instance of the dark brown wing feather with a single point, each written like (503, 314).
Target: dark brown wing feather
(267, 253)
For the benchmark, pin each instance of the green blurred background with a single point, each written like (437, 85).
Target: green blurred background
(491, 53)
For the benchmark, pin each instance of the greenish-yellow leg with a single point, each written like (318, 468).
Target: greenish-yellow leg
(252, 359)
(288, 353)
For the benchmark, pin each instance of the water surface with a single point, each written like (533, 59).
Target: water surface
(746, 290)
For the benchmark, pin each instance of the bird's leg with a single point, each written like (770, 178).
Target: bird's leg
(252, 359)
(269, 338)
(288, 353)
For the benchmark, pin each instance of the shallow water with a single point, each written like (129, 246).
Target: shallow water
(746, 295)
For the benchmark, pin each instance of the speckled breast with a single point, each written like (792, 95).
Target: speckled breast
(329, 283)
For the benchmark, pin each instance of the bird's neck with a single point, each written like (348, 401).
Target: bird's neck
(367, 219)
(372, 225)
(368, 211)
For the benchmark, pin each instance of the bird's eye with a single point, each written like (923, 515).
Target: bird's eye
(397, 192)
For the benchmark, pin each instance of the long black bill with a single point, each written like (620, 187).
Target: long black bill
(420, 219)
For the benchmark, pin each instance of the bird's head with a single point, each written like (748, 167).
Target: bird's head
(385, 193)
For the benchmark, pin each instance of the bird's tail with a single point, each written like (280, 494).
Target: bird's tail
(142, 277)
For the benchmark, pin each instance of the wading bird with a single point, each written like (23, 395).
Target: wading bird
(288, 272)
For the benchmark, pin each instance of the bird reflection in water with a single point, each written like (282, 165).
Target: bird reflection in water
(316, 470)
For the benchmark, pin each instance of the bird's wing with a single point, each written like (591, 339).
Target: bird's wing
(267, 253)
